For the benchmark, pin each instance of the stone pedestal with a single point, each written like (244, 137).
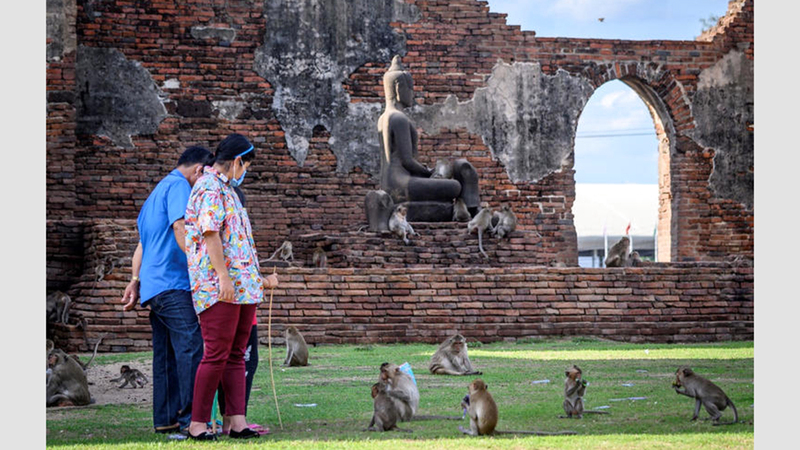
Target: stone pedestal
(429, 211)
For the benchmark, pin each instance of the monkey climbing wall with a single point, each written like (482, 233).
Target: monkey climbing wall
(129, 86)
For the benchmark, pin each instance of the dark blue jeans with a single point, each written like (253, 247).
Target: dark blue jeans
(177, 350)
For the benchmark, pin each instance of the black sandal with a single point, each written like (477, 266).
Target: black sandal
(204, 436)
(247, 433)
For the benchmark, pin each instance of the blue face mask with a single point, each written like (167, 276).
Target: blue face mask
(235, 182)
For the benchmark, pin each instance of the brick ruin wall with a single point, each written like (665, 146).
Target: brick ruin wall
(131, 84)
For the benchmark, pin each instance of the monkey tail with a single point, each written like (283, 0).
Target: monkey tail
(735, 413)
(97, 344)
(480, 243)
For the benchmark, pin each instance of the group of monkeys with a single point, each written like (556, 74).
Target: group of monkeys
(395, 395)
(618, 255)
(499, 223)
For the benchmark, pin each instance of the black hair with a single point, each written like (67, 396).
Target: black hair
(232, 146)
(195, 154)
(241, 196)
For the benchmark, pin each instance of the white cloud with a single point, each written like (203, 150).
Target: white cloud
(585, 10)
(622, 99)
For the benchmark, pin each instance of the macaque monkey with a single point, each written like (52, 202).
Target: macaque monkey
(57, 306)
(483, 413)
(481, 409)
(460, 211)
(704, 392)
(506, 223)
(319, 259)
(67, 384)
(50, 346)
(403, 391)
(481, 222)
(451, 358)
(131, 376)
(284, 252)
(103, 268)
(634, 260)
(618, 253)
(574, 389)
(296, 348)
(443, 169)
(386, 414)
(398, 224)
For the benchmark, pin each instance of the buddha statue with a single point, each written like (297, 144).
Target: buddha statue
(402, 176)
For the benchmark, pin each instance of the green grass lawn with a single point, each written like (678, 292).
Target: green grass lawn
(339, 378)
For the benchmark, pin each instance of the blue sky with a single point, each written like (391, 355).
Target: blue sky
(630, 154)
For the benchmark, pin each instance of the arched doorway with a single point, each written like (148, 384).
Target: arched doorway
(622, 173)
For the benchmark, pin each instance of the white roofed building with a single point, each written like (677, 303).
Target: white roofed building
(605, 210)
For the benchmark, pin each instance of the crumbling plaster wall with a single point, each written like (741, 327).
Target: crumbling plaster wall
(310, 48)
(723, 111)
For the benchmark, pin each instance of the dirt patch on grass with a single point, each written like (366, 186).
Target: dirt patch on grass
(106, 392)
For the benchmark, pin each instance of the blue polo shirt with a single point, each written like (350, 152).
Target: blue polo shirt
(164, 264)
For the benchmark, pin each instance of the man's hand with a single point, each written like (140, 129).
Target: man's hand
(226, 290)
(270, 281)
(131, 296)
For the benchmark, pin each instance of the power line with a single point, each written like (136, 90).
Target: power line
(614, 135)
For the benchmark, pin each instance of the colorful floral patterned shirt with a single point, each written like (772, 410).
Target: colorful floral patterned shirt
(214, 206)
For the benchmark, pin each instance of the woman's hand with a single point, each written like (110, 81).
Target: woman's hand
(226, 291)
(270, 281)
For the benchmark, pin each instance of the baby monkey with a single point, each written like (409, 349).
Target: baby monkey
(704, 392)
(131, 376)
(386, 414)
(506, 222)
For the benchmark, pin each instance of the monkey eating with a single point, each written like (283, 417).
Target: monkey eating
(574, 390)
(618, 253)
(134, 377)
(398, 224)
(481, 222)
(704, 392)
(451, 358)
(506, 223)
(67, 384)
(386, 414)
(403, 391)
(483, 413)
(481, 409)
(296, 348)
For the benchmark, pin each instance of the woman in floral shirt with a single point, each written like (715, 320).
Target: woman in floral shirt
(218, 235)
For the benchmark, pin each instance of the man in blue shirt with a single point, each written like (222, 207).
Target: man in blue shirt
(161, 283)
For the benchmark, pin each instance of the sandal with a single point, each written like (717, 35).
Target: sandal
(204, 436)
(246, 433)
(258, 428)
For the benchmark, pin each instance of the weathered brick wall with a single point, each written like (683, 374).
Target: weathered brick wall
(451, 49)
(667, 303)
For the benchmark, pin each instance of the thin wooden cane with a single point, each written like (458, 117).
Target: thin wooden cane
(269, 345)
